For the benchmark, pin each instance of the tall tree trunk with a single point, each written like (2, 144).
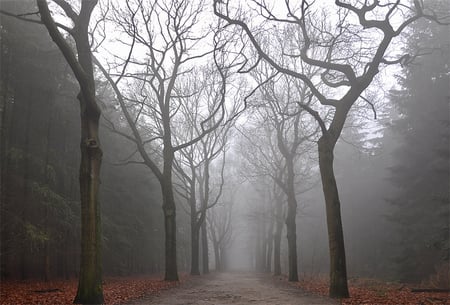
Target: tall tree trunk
(291, 226)
(90, 289)
(217, 256)
(171, 273)
(195, 247)
(90, 280)
(270, 235)
(264, 240)
(277, 239)
(258, 255)
(223, 258)
(195, 229)
(205, 254)
(338, 270)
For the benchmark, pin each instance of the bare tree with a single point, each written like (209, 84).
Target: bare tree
(287, 132)
(205, 189)
(221, 232)
(279, 216)
(80, 60)
(167, 52)
(193, 170)
(353, 50)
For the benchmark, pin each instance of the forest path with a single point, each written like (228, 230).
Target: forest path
(234, 288)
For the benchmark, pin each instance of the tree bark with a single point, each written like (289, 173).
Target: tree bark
(338, 270)
(195, 228)
(90, 279)
(195, 246)
(217, 256)
(171, 273)
(277, 239)
(90, 289)
(205, 254)
(270, 236)
(291, 226)
(223, 258)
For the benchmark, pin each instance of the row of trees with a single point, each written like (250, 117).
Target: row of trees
(345, 72)
(171, 127)
(176, 110)
(40, 201)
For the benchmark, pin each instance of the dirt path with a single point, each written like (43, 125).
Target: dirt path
(235, 288)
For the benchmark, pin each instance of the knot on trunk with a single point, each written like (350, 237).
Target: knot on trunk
(91, 143)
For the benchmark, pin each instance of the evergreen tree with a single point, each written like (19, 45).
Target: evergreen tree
(420, 206)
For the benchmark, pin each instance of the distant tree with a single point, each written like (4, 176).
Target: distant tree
(288, 131)
(221, 232)
(206, 202)
(262, 164)
(421, 173)
(291, 131)
(193, 171)
(350, 50)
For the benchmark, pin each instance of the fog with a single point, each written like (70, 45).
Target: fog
(221, 137)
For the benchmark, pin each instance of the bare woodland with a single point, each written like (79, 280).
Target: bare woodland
(224, 135)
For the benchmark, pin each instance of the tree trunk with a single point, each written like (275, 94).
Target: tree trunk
(292, 243)
(195, 229)
(223, 258)
(277, 240)
(264, 243)
(217, 256)
(338, 270)
(171, 273)
(291, 226)
(270, 236)
(90, 280)
(90, 289)
(205, 255)
(195, 246)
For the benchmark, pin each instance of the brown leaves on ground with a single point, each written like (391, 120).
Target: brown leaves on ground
(373, 292)
(117, 290)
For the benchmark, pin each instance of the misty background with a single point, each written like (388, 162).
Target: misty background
(392, 173)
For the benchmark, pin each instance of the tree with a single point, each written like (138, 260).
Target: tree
(153, 96)
(420, 203)
(221, 232)
(40, 227)
(193, 170)
(90, 282)
(291, 131)
(287, 131)
(344, 67)
(264, 163)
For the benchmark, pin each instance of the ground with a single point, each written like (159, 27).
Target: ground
(228, 288)
(234, 288)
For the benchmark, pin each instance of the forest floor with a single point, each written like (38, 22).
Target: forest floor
(218, 288)
(116, 290)
(235, 288)
(364, 291)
